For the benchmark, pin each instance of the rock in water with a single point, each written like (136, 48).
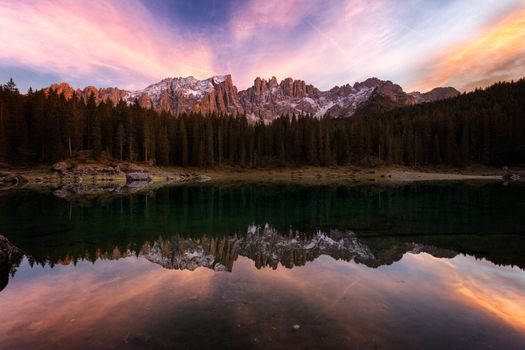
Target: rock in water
(10, 257)
(220, 267)
(12, 179)
(21, 179)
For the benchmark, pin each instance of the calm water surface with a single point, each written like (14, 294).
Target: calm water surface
(267, 266)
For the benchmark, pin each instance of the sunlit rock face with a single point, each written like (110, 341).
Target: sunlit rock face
(177, 95)
(265, 100)
(112, 94)
(268, 99)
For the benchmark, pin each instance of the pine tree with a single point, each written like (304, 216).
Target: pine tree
(11, 86)
(162, 154)
(120, 138)
(184, 143)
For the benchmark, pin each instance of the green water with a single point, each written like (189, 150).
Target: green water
(267, 266)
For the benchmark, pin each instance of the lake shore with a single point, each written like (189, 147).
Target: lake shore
(351, 174)
(313, 175)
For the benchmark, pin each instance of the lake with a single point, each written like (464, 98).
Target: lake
(258, 266)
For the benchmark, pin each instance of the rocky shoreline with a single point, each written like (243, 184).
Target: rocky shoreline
(75, 177)
(10, 258)
(89, 176)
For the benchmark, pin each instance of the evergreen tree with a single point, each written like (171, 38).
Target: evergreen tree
(485, 126)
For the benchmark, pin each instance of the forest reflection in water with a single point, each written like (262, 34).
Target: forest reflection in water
(367, 267)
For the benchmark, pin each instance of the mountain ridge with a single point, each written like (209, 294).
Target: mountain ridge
(265, 100)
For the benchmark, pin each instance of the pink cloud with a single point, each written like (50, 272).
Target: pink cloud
(80, 39)
(343, 41)
(325, 43)
(258, 15)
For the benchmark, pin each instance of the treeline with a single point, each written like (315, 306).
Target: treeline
(481, 127)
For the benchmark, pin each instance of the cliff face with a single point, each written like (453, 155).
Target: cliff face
(177, 95)
(265, 100)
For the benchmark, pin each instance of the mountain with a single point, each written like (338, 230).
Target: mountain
(177, 95)
(266, 99)
(436, 94)
(103, 94)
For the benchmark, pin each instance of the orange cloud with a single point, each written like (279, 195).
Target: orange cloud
(495, 54)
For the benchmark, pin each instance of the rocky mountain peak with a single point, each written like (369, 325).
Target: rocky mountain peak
(104, 94)
(61, 88)
(387, 89)
(371, 83)
(266, 99)
(439, 93)
(178, 95)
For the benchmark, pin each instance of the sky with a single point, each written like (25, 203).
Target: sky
(419, 44)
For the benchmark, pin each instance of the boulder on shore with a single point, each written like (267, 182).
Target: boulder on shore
(62, 167)
(66, 168)
(130, 168)
(131, 177)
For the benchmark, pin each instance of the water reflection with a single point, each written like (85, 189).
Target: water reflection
(265, 246)
(420, 301)
(238, 266)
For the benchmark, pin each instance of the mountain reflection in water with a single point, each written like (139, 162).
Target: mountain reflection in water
(209, 265)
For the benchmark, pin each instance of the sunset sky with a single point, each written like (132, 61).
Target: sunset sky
(419, 44)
